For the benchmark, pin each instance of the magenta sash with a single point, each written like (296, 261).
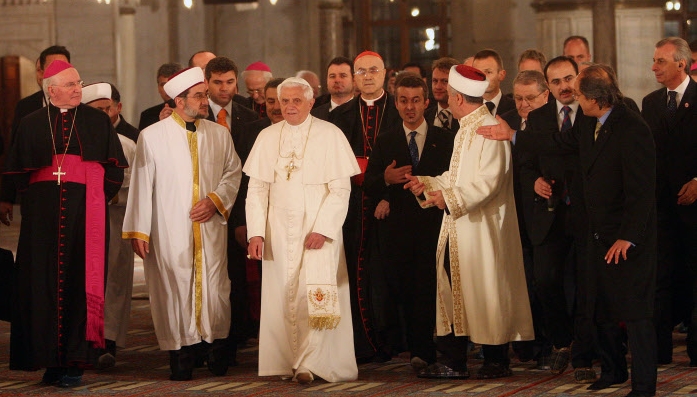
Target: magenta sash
(90, 174)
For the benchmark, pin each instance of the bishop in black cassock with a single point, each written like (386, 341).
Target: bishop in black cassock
(58, 321)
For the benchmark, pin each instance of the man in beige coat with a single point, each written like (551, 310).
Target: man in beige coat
(481, 282)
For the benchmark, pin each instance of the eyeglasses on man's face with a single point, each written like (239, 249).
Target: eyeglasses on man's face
(199, 96)
(362, 71)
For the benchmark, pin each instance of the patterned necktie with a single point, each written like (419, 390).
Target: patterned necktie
(413, 149)
(566, 121)
(444, 118)
(598, 126)
(222, 119)
(672, 104)
(490, 106)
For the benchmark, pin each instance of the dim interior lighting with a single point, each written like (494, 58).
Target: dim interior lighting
(415, 12)
(188, 3)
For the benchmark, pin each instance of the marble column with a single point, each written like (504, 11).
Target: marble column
(604, 51)
(126, 73)
(330, 30)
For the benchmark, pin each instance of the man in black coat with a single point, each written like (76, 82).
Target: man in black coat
(673, 126)
(339, 85)
(530, 92)
(489, 62)
(618, 166)
(160, 111)
(412, 232)
(437, 112)
(362, 120)
(221, 78)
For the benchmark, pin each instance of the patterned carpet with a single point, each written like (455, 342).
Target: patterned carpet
(143, 370)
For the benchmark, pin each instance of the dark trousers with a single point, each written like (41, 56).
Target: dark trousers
(642, 341)
(585, 339)
(550, 262)
(412, 287)
(240, 321)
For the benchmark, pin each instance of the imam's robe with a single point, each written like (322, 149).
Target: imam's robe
(159, 202)
(487, 298)
(284, 212)
(48, 325)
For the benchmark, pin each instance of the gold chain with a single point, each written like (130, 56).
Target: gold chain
(53, 139)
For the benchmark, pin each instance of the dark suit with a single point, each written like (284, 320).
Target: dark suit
(362, 239)
(321, 111)
(150, 116)
(240, 117)
(618, 172)
(127, 130)
(412, 235)
(506, 104)
(259, 109)
(676, 148)
(551, 232)
(430, 116)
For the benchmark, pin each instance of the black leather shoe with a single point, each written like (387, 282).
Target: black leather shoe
(441, 371)
(53, 375)
(493, 370)
(559, 360)
(70, 381)
(604, 383)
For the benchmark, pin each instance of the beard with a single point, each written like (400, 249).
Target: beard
(195, 113)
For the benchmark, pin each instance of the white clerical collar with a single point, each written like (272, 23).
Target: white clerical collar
(371, 102)
(216, 108)
(61, 109)
(422, 129)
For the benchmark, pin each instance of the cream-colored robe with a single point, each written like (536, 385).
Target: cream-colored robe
(119, 282)
(285, 212)
(159, 203)
(487, 297)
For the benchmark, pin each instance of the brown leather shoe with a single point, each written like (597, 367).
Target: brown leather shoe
(304, 378)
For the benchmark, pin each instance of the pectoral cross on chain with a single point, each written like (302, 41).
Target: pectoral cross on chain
(291, 167)
(59, 174)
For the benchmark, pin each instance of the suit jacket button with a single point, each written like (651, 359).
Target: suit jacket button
(596, 236)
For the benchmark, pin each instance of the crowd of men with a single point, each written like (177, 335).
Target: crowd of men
(356, 225)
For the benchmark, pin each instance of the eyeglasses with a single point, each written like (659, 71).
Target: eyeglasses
(71, 85)
(200, 96)
(252, 92)
(529, 99)
(362, 72)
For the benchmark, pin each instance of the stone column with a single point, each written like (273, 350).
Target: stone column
(330, 30)
(126, 73)
(604, 51)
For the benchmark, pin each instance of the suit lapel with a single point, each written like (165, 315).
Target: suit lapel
(688, 100)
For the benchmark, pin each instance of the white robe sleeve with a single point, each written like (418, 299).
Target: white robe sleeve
(225, 193)
(332, 213)
(138, 219)
(257, 207)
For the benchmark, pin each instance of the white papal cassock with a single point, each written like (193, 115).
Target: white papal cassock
(285, 211)
(487, 297)
(160, 198)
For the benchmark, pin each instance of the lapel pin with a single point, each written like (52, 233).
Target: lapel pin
(687, 105)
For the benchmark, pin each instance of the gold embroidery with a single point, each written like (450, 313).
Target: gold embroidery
(442, 239)
(198, 242)
(219, 204)
(455, 209)
(138, 235)
(324, 312)
(455, 280)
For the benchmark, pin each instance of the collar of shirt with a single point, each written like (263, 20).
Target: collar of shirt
(604, 117)
(680, 89)
(333, 105)
(216, 109)
(371, 102)
(118, 120)
(496, 101)
(436, 120)
(420, 137)
(572, 115)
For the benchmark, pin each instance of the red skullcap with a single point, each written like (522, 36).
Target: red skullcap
(367, 53)
(260, 66)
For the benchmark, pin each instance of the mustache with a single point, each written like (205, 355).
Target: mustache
(276, 112)
(567, 92)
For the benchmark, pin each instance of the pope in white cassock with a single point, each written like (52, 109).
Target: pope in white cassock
(486, 298)
(185, 178)
(299, 188)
